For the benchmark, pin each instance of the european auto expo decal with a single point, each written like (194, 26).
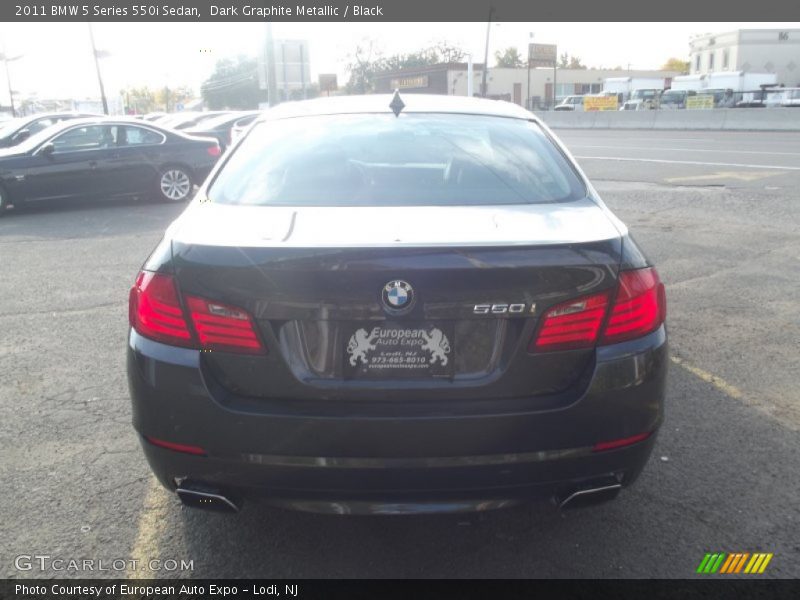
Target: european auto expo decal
(396, 350)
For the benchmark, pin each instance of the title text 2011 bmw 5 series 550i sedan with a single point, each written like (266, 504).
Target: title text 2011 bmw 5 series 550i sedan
(383, 305)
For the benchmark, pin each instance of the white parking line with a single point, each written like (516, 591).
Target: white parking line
(688, 162)
(656, 148)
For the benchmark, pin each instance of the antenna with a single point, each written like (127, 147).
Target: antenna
(397, 104)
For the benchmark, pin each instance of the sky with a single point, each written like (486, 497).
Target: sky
(56, 62)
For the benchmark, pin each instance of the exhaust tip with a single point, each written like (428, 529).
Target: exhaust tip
(589, 496)
(196, 496)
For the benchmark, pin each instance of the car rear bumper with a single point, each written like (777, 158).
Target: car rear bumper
(353, 460)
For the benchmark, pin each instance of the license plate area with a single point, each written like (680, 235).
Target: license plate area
(404, 350)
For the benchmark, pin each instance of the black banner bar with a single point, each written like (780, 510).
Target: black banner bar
(242, 589)
(394, 10)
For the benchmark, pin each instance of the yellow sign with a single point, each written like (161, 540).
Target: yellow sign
(700, 101)
(600, 103)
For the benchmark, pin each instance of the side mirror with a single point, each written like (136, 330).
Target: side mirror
(47, 149)
(21, 136)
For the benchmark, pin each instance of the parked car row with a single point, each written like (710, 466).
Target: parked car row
(104, 157)
(16, 131)
(216, 124)
(57, 156)
(670, 99)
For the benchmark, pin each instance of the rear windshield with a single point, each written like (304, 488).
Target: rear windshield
(383, 160)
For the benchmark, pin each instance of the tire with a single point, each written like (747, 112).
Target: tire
(4, 201)
(174, 184)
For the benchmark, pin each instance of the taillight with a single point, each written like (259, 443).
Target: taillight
(214, 150)
(155, 311)
(223, 327)
(640, 306)
(571, 325)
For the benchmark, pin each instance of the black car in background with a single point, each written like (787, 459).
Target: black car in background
(20, 129)
(185, 120)
(104, 157)
(220, 127)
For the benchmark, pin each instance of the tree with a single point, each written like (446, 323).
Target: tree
(367, 61)
(362, 67)
(448, 53)
(565, 61)
(139, 100)
(676, 64)
(233, 84)
(509, 59)
(575, 63)
(169, 98)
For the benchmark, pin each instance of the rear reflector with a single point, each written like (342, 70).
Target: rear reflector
(214, 150)
(621, 443)
(640, 306)
(155, 311)
(571, 325)
(222, 327)
(196, 450)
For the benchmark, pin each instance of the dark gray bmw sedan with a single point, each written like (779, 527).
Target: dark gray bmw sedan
(387, 304)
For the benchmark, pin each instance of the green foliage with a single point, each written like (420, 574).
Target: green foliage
(565, 61)
(366, 61)
(233, 85)
(676, 64)
(509, 59)
(168, 98)
(139, 100)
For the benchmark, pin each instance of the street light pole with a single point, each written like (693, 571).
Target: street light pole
(10, 91)
(272, 79)
(555, 66)
(97, 68)
(528, 97)
(8, 78)
(486, 53)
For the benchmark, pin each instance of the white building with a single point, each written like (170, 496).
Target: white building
(506, 84)
(749, 50)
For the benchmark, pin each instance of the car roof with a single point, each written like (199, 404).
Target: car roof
(111, 120)
(218, 120)
(68, 124)
(414, 103)
(54, 115)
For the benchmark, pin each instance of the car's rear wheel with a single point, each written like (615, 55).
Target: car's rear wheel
(4, 203)
(174, 184)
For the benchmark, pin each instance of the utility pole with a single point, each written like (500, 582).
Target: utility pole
(555, 66)
(7, 60)
(470, 78)
(528, 97)
(272, 82)
(97, 68)
(303, 71)
(486, 53)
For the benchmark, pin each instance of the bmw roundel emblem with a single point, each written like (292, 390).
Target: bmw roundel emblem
(398, 295)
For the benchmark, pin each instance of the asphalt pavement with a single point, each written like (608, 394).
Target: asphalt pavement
(718, 212)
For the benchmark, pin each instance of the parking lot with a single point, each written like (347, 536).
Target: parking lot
(718, 213)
